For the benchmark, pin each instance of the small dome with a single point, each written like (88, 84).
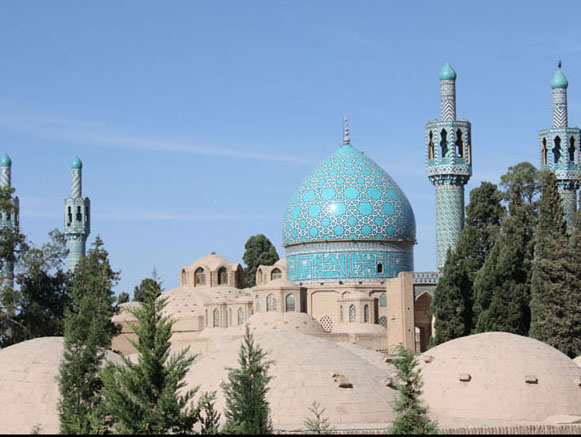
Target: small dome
(306, 368)
(500, 376)
(349, 197)
(559, 80)
(447, 72)
(6, 161)
(77, 163)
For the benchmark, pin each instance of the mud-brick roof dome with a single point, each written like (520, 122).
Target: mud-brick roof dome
(348, 197)
(500, 376)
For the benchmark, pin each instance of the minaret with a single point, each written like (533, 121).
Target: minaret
(77, 216)
(559, 147)
(8, 220)
(448, 165)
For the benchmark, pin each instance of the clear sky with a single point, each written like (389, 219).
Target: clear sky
(196, 121)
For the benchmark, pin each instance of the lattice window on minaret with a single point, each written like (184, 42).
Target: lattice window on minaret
(443, 144)
(69, 216)
(572, 149)
(557, 150)
(79, 214)
(431, 146)
(544, 152)
(459, 144)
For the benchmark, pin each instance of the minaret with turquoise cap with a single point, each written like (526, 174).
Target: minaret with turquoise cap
(559, 147)
(448, 165)
(8, 219)
(77, 216)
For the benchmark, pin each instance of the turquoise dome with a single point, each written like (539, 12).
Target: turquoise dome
(6, 161)
(77, 163)
(348, 197)
(447, 72)
(559, 80)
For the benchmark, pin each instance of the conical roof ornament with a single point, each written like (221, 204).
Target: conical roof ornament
(346, 140)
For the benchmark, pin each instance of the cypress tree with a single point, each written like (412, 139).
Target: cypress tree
(502, 286)
(259, 251)
(142, 397)
(247, 410)
(412, 416)
(554, 280)
(573, 298)
(88, 332)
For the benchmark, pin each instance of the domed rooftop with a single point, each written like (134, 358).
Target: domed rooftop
(559, 80)
(6, 161)
(77, 163)
(500, 376)
(29, 395)
(307, 369)
(348, 197)
(447, 72)
(578, 361)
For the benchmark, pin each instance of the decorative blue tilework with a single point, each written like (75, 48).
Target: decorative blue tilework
(349, 197)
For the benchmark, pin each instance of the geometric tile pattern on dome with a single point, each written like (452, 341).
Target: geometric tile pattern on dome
(348, 197)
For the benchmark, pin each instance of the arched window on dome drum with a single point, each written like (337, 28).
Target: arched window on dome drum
(229, 316)
(431, 146)
(275, 274)
(290, 303)
(379, 268)
(184, 277)
(200, 276)
(382, 300)
(206, 318)
(366, 313)
(352, 314)
(544, 152)
(216, 318)
(572, 150)
(459, 144)
(341, 313)
(270, 303)
(222, 276)
(240, 316)
(443, 144)
(557, 150)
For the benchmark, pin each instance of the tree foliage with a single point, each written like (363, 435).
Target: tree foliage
(88, 332)
(259, 251)
(412, 416)
(144, 397)
(141, 291)
(318, 423)
(555, 280)
(247, 410)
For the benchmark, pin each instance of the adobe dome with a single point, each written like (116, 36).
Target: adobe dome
(29, 396)
(349, 197)
(578, 361)
(500, 376)
(303, 372)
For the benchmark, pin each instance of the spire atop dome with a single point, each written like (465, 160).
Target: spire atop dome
(346, 139)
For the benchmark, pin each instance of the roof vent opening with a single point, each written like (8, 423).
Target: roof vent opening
(531, 379)
(465, 377)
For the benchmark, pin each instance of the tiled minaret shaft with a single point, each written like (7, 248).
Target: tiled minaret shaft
(448, 165)
(9, 220)
(559, 147)
(77, 217)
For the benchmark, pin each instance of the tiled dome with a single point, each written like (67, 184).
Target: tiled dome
(349, 197)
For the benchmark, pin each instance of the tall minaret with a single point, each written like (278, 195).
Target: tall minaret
(77, 216)
(559, 147)
(8, 220)
(448, 165)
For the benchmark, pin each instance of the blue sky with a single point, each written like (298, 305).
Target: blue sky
(196, 121)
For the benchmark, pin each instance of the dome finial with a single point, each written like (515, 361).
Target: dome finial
(346, 140)
(560, 64)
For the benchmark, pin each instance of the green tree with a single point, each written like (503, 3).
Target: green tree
(123, 298)
(247, 410)
(209, 417)
(412, 416)
(526, 176)
(38, 302)
(259, 251)
(88, 333)
(554, 279)
(319, 423)
(140, 292)
(144, 397)
(502, 286)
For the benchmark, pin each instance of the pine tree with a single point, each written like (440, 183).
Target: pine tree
(259, 251)
(573, 298)
(143, 397)
(141, 291)
(412, 416)
(247, 410)
(209, 417)
(502, 286)
(88, 333)
(554, 280)
(319, 423)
